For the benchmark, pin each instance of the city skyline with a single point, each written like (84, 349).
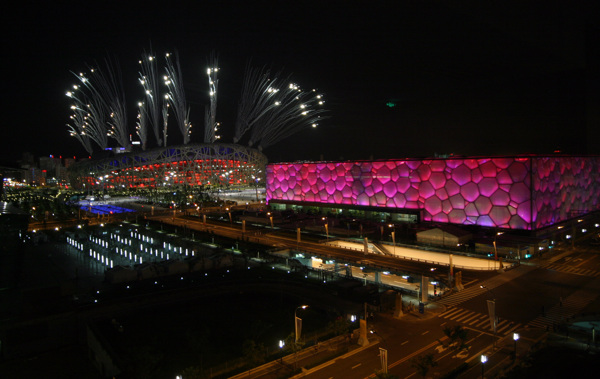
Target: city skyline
(401, 80)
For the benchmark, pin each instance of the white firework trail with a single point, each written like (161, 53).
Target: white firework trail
(176, 97)
(210, 118)
(111, 91)
(255, 99)
(165, 117)
(150, 81)
(142, 125)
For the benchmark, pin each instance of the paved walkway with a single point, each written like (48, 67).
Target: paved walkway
(459, 261)
(489, 284)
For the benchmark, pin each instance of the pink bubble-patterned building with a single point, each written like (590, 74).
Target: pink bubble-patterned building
(524, 192)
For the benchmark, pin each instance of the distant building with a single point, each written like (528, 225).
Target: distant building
(35, 176)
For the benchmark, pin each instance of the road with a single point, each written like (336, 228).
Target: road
(531, 300)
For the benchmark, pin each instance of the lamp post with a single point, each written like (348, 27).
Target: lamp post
(483, 360)
(297, 327)
(383, 354)
(492, 311)
(424, 289)
(393, 236)
(270, 219)
(326, 224)
(515, 338)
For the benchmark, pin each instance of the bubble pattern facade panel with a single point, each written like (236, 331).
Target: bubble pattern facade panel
(495, 192)
(564, 188)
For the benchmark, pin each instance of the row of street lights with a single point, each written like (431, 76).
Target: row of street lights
(484, 358)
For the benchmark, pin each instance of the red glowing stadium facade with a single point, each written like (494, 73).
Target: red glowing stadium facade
(189, 165)
(523, 192)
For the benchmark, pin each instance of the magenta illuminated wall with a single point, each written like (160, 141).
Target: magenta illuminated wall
(494, 192)
(564, 188)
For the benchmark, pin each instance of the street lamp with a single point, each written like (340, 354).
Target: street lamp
(515, 338)
(297, 322)
(424, 288)
(483, 360)
(383, 353)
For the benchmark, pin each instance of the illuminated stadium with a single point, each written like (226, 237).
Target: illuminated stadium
(523, 192)
(191, 164)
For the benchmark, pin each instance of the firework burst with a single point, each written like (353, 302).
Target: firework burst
(89, 117)
(110, 86)
(100, 100)
(272, 109)
(210, 118)
(150, 81)
(78, 125)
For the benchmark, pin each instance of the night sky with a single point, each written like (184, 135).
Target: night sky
(467, 78)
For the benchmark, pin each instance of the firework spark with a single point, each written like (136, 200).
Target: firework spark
(176, 97)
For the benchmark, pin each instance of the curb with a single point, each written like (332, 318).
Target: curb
(332, 361)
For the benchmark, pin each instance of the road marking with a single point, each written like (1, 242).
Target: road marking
(424, 333)
(406, 358)
(461, 354)
(353, 367)
(442, 324)
(472, 319)
(404, 343)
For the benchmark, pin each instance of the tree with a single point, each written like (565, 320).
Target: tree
(192, 372)
(144, 362)
(339, 326)
(254, 353)
(457, 336)
(423, 363)
(293, 346)
(198, 340)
